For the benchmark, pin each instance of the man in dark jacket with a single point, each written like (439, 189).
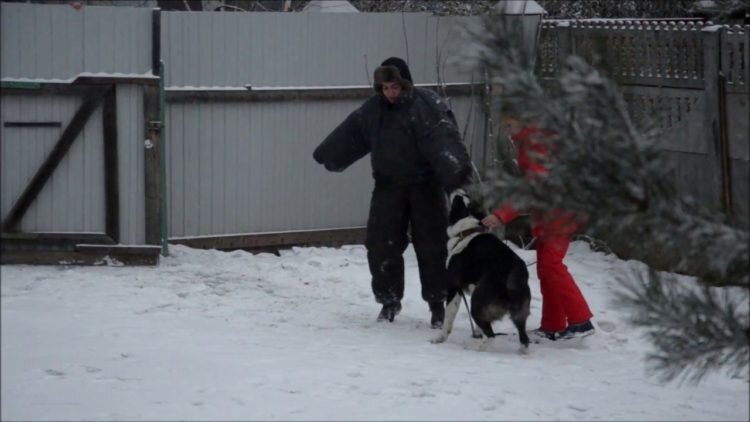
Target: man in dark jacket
(417, 157)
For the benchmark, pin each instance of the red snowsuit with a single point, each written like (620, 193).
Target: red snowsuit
(562, 301)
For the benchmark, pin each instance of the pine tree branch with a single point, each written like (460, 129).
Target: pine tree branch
(610, 173)
(694, 328)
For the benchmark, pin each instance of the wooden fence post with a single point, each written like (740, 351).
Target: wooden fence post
(155, 41)
(152, 165)
(565, 43)
(152, 145)
(111, 167)
(711, 40)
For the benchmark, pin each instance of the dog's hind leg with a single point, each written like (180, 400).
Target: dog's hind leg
(454, 303)
(475, 332)
(486, 328)
(488, 335)
(519, 320)
(520, 324)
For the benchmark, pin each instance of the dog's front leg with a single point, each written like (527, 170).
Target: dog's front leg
(450, 315)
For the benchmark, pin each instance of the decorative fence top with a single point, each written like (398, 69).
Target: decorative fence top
(735, 57)
(666, 53)
(642, 52)
(640, 24)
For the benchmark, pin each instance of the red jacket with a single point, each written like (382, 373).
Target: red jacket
(556, 221)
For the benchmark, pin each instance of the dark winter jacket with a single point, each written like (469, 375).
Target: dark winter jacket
(413, 140)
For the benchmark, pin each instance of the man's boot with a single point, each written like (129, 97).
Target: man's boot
(389, 311)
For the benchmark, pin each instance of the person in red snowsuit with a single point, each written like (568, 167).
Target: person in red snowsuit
(565, 313)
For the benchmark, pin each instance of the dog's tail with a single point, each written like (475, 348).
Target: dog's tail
(518, 277)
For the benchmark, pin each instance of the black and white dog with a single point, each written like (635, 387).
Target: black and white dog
(481, 264)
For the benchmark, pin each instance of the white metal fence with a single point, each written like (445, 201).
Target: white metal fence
(234, 166)
(55, 43)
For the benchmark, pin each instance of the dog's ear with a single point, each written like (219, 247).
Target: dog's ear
(457, 193)
(469, 203)
(475, 202)
(477, 210)
(459, 206)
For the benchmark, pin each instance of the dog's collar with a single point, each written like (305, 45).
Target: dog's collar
(465, 224)
(460, 234)
(468, 232)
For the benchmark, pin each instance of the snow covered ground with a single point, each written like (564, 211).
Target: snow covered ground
(210, 335)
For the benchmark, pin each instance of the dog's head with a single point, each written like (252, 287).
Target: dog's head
(462, 206)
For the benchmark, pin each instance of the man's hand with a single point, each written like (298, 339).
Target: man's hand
(491, 221)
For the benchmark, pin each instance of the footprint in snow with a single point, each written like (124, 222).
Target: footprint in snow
(606, 326)
(54, 372)
(578, 408)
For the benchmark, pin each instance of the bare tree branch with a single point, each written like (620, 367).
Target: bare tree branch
(259, 4)
(406, 38)
(367, 71)
(229, 6)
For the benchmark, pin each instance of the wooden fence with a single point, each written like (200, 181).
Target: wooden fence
(689, 79)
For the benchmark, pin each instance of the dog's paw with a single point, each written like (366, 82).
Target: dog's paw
(439, 339)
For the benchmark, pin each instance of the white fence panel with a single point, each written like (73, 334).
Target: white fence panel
(59, 42)
(304, 49)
